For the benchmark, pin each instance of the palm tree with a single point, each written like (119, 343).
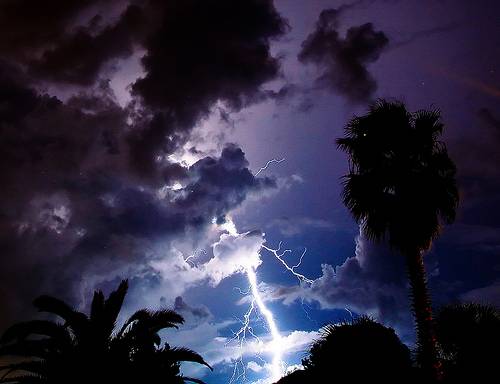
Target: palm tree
(88, 348)
(401, 187)
(469, 340)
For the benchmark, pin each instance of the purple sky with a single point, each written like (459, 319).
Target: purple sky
(133, 130)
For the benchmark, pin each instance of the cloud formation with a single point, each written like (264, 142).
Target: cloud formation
(92, 190)
(372, 282)
(343, 61)
(209, 51)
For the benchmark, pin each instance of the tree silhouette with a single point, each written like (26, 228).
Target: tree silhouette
(350, 352)
(400, 187)
(359, 350)
(469, 339)
(87, 349)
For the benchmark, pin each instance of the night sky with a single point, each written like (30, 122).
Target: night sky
(132, 134)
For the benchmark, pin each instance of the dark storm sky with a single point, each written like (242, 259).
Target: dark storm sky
(132, 130)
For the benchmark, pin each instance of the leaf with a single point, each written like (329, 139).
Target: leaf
(184, 354)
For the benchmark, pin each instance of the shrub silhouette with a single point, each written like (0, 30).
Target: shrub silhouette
(87, 349)
(360, 350)
(469, 339)
(401, 186)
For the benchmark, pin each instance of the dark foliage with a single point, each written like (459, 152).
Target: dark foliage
(360, 350)
(469, 340)
(86, 349)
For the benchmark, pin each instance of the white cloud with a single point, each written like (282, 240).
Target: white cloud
(234, 254)
(254, 366)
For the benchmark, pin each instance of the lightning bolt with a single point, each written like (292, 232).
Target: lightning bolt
(277, 161)
(239, 371)
(275, 346)
(278, 253)
(257, 304)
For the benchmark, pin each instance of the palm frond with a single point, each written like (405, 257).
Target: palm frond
(153, 321)
(114, 302)
(97, 306)
(73, 318)
(25, 329)
(40, 348)
(23, 379)
(193, 380)
(183, 354)
(34, 367)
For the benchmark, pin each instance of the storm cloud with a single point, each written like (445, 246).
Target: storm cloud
(209, 51)
(90, 192)
(343, 61)
(372, 282)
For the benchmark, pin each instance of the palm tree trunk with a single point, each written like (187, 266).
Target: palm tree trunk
(421, 306)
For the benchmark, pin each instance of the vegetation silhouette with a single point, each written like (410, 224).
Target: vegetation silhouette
(353, 351)
(86, 349)
(469, 340)
(400, 187)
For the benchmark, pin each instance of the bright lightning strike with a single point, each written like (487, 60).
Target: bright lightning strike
(275, 347)
(276, 344)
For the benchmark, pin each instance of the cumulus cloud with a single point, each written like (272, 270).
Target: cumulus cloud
(233, 254)
(343, 61)
(372, 282)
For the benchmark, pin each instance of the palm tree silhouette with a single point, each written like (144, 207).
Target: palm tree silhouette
(88, 348)
(469, 340)
(401, 186)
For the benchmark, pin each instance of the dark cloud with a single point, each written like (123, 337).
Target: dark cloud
(192, 314)
(29, 26)
(76, 209)
(209, 51)
(196, 54)
(343, 61)
(66, 41)
(78, 57)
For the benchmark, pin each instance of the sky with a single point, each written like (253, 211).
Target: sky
(134, 142)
